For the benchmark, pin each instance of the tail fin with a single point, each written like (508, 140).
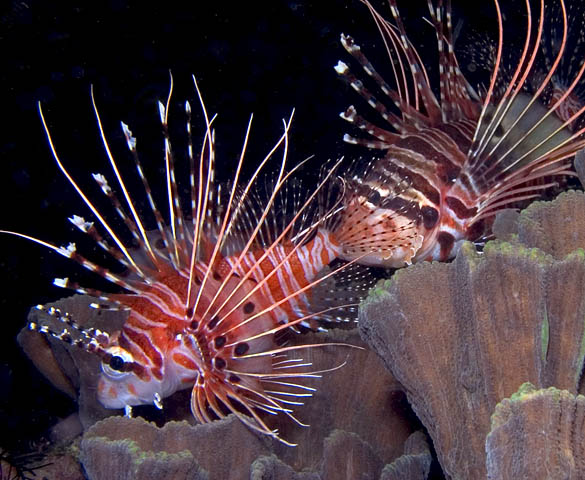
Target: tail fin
(378, 222)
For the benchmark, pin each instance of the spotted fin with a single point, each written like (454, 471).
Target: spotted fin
(339, 295)
(379, 221)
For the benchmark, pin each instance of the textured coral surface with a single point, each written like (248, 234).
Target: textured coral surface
(463, 336)
(537, 434)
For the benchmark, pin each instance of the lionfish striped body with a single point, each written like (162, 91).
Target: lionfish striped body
(209, 297)
(298, 269)
(450, 163)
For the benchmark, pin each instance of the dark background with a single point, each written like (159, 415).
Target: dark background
(248, 57)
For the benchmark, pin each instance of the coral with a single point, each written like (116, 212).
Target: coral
(371, 418)
(271, 468)
(361, 397)
(227, 449)
(177, 451)
(505, 225)
(556, 228)
(537, 434)
(463, 336)
(348, 455)
(414, 464)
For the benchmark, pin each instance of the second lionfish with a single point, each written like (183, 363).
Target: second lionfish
(450, 162)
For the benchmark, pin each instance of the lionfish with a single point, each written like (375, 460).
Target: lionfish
(450, 163)
(212, 291)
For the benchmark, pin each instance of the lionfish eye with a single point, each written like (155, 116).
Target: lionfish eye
(117, 363)
(114, 365)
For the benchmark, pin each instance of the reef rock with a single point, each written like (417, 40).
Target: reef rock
(414, 464)
(537, 434)
(461, 337)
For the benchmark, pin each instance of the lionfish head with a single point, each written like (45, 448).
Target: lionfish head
(124, 381)
(127, 377)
